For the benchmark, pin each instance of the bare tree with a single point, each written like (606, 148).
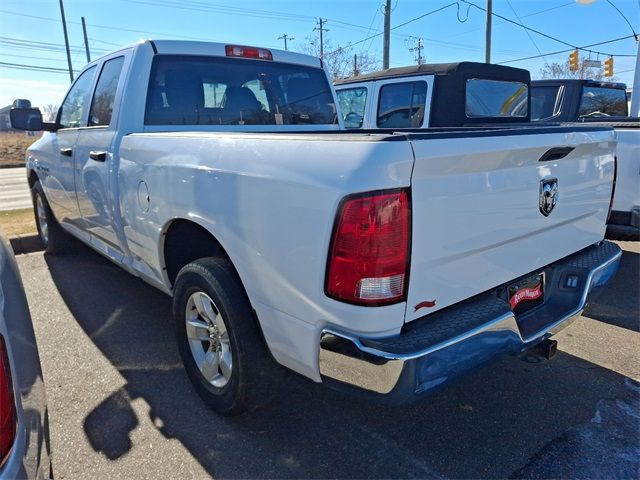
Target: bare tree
(339, 61)
(49, 112)
(562, 70)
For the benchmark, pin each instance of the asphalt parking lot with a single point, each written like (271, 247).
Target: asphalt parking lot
(121, 405)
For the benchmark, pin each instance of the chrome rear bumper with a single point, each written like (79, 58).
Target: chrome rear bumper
(445, 344)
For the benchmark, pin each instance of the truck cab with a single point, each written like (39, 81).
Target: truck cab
(435, 95)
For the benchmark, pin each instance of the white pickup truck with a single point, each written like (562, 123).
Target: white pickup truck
(384, 262)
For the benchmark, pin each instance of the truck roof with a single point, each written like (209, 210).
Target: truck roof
(466, 69)
(188, 47)
(578, 81)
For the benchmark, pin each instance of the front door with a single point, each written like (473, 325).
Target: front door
(55, 168)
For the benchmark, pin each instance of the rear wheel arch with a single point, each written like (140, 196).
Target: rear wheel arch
(184, 241)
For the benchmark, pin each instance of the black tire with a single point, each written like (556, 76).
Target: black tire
(53, 237)
(255, 377)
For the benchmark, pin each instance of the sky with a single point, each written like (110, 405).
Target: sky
(31, 33)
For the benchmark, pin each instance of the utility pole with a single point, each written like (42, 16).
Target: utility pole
(487, 53)
(635, 94)
(285, 37)
(86, 42)
(355, 65)
(66, 40)
(387, 35)
(418, 48)
(321, 28)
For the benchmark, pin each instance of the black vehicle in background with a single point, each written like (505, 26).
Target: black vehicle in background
(568, 100)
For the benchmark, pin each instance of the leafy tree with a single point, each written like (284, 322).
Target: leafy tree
(339, 60)
(562, 70)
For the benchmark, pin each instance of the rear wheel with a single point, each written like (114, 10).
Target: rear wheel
(219, 340)
(53, 238)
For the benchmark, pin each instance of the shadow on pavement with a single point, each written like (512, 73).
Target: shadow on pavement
(619, 304)
(501, 420)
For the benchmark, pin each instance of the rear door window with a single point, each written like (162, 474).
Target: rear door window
(401, 105)
(352, 103)
(603, 102)
(236, 91)
(105, 94)
(496, 98)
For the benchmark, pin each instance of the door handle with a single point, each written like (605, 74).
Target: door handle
(556, 153)
(98, 156)
(67, 152)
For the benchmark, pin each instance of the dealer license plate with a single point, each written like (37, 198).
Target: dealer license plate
(526, 294)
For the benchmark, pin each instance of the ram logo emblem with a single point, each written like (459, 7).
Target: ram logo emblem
(548, 195)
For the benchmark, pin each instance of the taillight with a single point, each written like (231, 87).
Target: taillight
(7, 405)
(248, 52)
(369, 254)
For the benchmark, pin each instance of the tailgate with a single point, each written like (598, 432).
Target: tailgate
(477, 219)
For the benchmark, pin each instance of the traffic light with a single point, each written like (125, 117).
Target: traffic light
(608, 67)
(573, 61)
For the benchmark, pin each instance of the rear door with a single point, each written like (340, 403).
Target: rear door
(484, 211)
(94, 157)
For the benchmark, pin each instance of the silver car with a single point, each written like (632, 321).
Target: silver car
(24, 425)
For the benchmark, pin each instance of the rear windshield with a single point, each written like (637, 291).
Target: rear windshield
(495, 98)
(236, 91)
(545, 102)
(603, 102)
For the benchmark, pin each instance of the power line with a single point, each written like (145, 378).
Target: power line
(41, 46)
(585, 48)
(397, 26)
(520, 25)
(528, 34)
(547, 36)
(20, 66)
(501, 23)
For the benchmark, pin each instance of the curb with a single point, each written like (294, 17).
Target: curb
(26, 244)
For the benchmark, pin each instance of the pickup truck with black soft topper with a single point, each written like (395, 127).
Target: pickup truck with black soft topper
(384, 261)
(424, 96)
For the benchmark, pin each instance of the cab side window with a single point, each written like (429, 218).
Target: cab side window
(401, 105)
(105, 94)
(75, 104)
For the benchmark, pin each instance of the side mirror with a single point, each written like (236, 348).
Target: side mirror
(26, 119)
